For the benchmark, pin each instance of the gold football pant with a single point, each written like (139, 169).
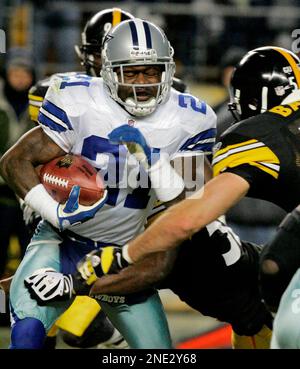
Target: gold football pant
(261, 340)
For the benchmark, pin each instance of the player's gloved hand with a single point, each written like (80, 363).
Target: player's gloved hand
(47, 285)
(166, 182)
(72, 212)
(112, 260)
(105, 260)
(135, 142)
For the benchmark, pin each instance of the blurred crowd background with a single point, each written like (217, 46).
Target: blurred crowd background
(201, 31)
(209, 37)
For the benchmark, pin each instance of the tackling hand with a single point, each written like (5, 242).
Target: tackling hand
(105, 260)
(47, 285)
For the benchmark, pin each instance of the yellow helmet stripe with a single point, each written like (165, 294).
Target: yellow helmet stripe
(292, 63)
(116, 16)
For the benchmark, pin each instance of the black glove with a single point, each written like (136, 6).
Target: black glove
(112, 260)
(105, 260)
(47, 285)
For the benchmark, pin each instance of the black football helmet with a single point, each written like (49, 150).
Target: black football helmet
(93, 35)
(263, 79)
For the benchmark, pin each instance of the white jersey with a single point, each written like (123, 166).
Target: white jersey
(78, 114)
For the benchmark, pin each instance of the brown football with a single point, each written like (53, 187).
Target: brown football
(62, 173)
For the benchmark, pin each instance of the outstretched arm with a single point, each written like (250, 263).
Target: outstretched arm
(184, 219)
(91, 278)
(137, 277)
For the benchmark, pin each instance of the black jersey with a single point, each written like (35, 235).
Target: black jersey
(265, 151)
(217, 274)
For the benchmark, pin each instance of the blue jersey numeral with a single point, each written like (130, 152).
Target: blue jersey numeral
(185, 101)
(139, 197)
(94, 145)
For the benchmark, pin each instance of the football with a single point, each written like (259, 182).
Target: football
(62, 173)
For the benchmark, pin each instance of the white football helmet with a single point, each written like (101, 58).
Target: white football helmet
(132, 43)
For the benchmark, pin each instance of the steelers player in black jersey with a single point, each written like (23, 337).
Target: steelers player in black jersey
(214, 272)
(264, 150)
(259, 156)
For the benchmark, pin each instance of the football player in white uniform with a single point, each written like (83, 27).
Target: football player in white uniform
(89, 53)
(91, 117)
